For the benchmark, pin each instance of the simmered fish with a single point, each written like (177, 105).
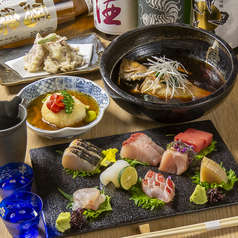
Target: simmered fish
(165, 79)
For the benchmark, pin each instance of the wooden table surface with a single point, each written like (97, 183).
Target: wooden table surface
(117, 121)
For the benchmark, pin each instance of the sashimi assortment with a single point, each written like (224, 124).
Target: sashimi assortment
(156, 186)
(176, 159)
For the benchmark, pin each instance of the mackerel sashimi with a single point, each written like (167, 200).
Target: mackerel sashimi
(82, 155)
(199, 139)
(156, 186)
(141, 147)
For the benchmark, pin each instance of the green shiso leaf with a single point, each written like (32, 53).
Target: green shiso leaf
(141, 199)
(68, 101)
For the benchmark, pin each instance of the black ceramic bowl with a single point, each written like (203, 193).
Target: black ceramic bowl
(162, 40)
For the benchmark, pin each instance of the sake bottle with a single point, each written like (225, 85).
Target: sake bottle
(114, 17)
(166, 11)
(218, 16)
(23, 19)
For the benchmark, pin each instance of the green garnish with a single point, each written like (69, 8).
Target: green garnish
(103, 207)
(141, 199)
(69, 197)
(227, 186)
(82, 173)
(134, 162)
(51, 37)
(206, 151)
(68, 101)
(171, 135)
(59, 152)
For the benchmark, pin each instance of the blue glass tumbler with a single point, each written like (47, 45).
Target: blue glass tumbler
(21, 214)
(15, 177)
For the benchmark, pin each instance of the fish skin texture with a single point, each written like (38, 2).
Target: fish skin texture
(156, 186)
(82, 155)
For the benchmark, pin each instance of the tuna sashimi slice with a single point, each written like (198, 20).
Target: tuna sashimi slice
(174, 162)
(139, 146)
(197, 143)
(205, 136)
(199, 139)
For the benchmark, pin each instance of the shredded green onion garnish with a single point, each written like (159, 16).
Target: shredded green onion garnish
(167, 73)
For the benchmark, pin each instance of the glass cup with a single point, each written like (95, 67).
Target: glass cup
(21, 214)
(15, 177)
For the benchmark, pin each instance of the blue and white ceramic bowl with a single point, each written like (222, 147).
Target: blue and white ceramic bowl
(57, 83)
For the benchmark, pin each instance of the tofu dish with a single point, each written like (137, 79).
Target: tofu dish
(52, 54)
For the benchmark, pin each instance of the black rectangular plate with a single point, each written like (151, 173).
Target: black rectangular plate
(49, 176)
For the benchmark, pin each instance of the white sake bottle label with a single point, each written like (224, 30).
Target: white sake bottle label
(21, 19)
(115, 16)
(219, 16)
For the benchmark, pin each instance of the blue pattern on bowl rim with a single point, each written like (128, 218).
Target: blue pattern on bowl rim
(57, 83)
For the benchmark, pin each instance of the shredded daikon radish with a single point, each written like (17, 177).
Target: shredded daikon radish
(166, 71)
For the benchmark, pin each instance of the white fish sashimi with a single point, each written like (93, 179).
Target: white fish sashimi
(89, 198)
(139, 146)
(156, 186)
(111, 173)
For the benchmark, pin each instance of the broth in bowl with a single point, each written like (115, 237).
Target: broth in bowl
(36, 119)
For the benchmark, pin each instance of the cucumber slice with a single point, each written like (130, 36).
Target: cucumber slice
(127, 177)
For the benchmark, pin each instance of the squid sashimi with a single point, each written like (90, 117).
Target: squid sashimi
(89, 198)
(198, 139)
(174, 162)
(111, 173)
(156, 186)
(140, 147)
